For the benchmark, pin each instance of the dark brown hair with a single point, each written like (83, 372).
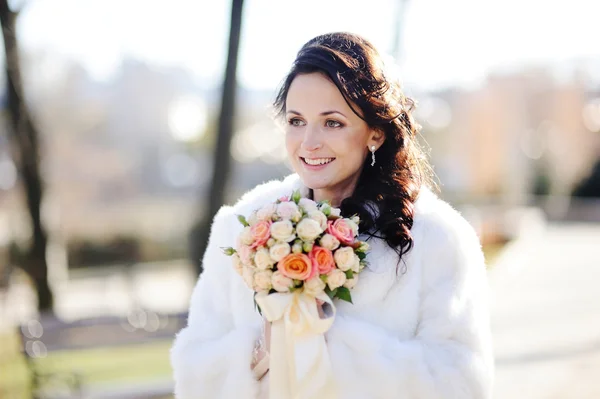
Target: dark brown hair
(385, 194)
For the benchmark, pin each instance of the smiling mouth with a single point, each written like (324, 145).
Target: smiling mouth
(317, 161)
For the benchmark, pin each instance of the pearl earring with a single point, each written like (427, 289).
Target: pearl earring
(372, 155)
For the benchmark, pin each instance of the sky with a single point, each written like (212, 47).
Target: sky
(445, 42)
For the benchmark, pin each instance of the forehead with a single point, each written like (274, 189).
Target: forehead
(314, 92)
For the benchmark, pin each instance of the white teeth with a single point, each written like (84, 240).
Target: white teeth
(318, 161)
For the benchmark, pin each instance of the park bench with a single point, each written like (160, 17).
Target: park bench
(47, 335)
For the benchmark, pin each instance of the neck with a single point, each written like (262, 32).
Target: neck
(334, 196)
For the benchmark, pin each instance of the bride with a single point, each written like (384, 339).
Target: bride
(419, 325)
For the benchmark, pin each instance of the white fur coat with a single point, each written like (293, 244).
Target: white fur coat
(421, 334)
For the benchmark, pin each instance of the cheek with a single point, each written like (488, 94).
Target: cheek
(292, 143)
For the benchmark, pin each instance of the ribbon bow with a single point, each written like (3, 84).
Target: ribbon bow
(299, 361)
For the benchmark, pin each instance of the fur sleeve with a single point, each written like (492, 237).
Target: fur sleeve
(450, 355)
(210, 357)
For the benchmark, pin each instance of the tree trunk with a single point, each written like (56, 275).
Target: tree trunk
(27, 159)
(222, 157)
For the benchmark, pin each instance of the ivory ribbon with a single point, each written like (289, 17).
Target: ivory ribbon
(299, 361)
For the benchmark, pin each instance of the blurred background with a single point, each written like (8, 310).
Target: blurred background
(126, 124)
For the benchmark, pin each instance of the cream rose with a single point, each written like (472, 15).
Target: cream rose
(288, 211)
(314, 286)
(237, 264)
(263, 259)
(308, 229)
(279, 251)
(356, 265)
(330, 242)
(248, 276)
(337, 212)
(351, 282)
(307, 204)
(353, 225)
(283, 231)
(252, 219)
(336, 278)
(266, 212)
(345, 258)
(280, 282)
(246, 237)
(319, 217)
(262, 280)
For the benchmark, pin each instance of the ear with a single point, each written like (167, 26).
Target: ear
(376, 138)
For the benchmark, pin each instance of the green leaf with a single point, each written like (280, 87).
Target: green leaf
(242, 220)
(343, 293)
(331, 293)
(361, 255)
(296, 196)
(349, 274)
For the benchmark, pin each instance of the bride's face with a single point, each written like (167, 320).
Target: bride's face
(326, 141)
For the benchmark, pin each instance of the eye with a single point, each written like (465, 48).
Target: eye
(333, 124)
(296, 122)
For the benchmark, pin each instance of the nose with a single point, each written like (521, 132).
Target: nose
(312, 140)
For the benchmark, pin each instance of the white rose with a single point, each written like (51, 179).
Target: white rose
(307, 204)
(345, 258)
(246, 236)
(337, 212)
(238, 266)
(308, 229)
(329, 242)
(279, 251)
(351, 282)
(252, 219)
(280, 282)
(314, 286)
(335, 278)
(262, 280)
(263, 260)
(288, 211)
(248, 276)
(356, 265)
(266, 212)
(319, 217)
(283, 231)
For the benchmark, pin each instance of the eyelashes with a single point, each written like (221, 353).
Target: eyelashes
(329, 123)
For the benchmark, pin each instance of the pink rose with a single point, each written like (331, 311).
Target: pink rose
(245, 253)
(261, 232)
(322, 259)
(296, 267)
(341, 230)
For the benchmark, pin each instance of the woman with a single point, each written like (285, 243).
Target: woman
(419, 324)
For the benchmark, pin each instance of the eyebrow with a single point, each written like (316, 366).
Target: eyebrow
(322, 113)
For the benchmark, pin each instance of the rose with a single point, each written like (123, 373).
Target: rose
(279, 251)
(351, 282)
(262, 280)
(308, 205)
(319, 217)
(252, 219)
(261, 232)
(246, 236)
(308, 229)
(280, 282)
(237, 263)
(314, 286)
(336, 212)
(248, 276)
(266, 212)
(263, 259)
(296, 266)
(288, 211)
(330, 242)
(341, 230)
(283, 231)
(283, 199)
(345, 258)
(245, 253)
(353, 225)
(322, 259)
(336, 278)
(356, 265)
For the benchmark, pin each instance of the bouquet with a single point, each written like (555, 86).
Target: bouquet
(297, 244)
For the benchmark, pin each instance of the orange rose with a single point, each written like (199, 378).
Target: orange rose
(296, 266)
(261, 232)
(322, 259)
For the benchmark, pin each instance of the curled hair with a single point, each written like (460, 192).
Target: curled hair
(385, 194)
